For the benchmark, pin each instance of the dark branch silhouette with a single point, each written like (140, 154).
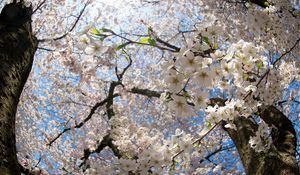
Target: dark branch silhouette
(70, 30)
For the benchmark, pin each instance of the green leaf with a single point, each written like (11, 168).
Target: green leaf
(206, 40)
(216, 46)
(259, 65)
(122, 46)
(152, 42)
(95, 31)
(148, 40)
(127, 58)
(144, 40)
(208, 124)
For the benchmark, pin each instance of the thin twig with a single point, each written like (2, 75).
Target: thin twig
(276, 61)
(71, 29)
(196, 141)
(46, 49)
(120, 76)
(107, 141)
(129, 41)
(39, 6)
(220, 149)
(92, 112)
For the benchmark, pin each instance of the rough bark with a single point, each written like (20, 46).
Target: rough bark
(281, 158)
(17, 48)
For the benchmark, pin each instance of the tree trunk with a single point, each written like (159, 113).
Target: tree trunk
(281, 158)
(17, 48)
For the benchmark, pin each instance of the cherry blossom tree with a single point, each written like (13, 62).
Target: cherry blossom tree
(151, 87)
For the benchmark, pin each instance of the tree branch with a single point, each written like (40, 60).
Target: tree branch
(177, 49)
(92, 111)
(196, 141)
(120, 76)
(145, 92)
(70, 30)
(129, 41)
(39, 6)
(107, 141)
(220, 149)
(110, 101)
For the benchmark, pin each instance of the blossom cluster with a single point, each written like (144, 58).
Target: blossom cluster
(194, 74)
(233, 108)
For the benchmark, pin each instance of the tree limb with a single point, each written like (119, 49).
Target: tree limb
(280, 158)
(145, 92)
(220, 149)
(107, 141)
